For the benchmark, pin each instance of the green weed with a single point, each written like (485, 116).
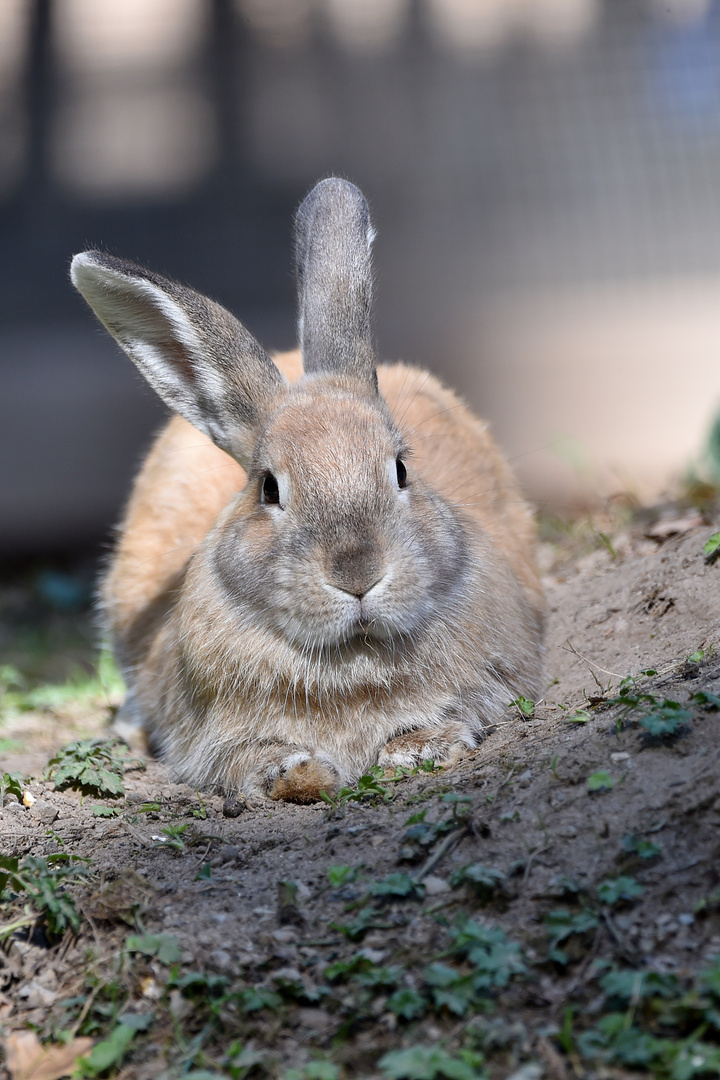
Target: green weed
(711, 548)
(636, 845)
(41, 884)
(11, 784)
(661, 719)
(92, 766)
(563, 925)
(342, 875)
(111, 1051)
(614, 890)
(173, 837)
(600, 781)
(367, 787)
(525, 706)
(486, 882)
(430, 1063)
(165, 947)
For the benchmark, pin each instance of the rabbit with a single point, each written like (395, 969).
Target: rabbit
(325, 563)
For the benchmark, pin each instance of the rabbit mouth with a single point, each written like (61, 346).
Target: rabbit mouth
(356, 630)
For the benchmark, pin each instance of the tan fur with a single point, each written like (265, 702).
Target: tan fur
(187, 482)
(324, 565)
(304, 783)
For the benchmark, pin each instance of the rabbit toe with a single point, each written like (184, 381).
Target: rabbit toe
(444, 746)
(302, 781)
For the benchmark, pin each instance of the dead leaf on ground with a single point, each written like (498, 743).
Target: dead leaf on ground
(666, 527)
(27, 1059)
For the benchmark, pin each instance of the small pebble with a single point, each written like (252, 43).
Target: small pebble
(375, 956)
(314, 1018)
(227, 853)
(37, 995)
(234, 805)
(288, 974)
(179, 1006)
(150, 989)
(45, 812)
(220, 960)
(284, 935)
(434, 885)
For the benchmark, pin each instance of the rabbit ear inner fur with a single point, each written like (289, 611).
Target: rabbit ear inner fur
(202, 362)
(333, 236)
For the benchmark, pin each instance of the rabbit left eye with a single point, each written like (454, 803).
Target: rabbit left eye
(401, 473)
(270, 490)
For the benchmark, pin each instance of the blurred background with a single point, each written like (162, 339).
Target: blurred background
(544, 177)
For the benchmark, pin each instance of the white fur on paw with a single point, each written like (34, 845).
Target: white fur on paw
(403, 759)
(287, 763)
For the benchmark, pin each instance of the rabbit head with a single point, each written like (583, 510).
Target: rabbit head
(312, 615)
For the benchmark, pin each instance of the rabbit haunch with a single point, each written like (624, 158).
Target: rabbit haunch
(355, 584)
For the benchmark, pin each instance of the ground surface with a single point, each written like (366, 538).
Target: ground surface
(550, 907)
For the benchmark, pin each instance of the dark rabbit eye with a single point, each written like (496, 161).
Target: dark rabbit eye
(270, 490)
(401, 473)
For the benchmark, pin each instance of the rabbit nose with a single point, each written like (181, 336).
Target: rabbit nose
(355, 570)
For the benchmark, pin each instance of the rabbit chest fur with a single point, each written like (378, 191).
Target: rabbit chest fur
(325, 564)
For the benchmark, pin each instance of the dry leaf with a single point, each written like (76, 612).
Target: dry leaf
(27, 1059)
(666, 527)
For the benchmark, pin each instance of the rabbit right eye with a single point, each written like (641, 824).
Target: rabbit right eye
(270, 490)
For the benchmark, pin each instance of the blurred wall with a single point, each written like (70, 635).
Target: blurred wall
(544, 175)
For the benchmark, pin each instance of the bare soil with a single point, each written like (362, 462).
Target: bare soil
(647, 604)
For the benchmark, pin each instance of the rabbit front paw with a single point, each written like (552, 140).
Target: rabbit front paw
(302, 777)
(444, 745)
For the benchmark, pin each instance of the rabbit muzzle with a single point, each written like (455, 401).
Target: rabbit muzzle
(356, 570)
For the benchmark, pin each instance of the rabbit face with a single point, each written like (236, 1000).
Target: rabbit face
(347, 537)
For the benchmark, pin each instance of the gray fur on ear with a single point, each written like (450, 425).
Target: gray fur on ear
(334, 266)
(202, 362)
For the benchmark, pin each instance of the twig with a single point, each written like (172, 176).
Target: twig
(17, 924)
(571, 648)
(86, 1008)
(451, 841)
(507, 780)
(205, 852)
(627, 951)
(531, 856)
(136, 835)
(580, 974)
(555, 1064)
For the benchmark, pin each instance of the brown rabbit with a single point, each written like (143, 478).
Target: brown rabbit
(324, 564)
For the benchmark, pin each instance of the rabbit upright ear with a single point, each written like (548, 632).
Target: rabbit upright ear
(334, 266)
(202, 362)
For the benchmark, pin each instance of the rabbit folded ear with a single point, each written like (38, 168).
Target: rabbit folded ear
(333, 238)
(202, 362)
